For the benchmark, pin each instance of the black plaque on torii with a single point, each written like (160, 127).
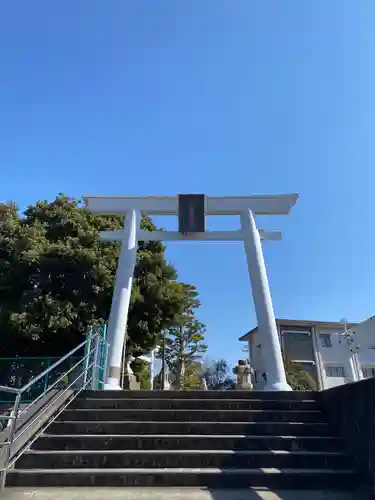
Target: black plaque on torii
(191, 213)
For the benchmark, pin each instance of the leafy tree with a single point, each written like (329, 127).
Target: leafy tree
(184, 346)
(298, 378)
(218, 375)
(142, 372)
(57, 277)
(193, 375)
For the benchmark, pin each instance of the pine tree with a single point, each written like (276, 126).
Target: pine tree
(184, 346)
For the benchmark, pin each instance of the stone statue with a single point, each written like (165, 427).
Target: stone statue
(243, 370)
(166, 382)
(130, 381)
(203, 384)
(162, 380)
(128, 361)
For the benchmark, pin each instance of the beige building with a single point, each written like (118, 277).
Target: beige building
(319, 347)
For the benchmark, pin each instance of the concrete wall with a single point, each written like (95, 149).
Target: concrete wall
(366, 356)
(334, 358)
(339, 355)
(351, 408)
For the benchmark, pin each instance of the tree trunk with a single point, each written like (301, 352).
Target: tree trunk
(181, 363)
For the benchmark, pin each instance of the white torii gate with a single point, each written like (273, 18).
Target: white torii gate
(247, 207)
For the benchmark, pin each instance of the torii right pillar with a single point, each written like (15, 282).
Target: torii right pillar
(272, 356)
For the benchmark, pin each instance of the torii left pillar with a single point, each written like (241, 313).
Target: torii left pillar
(121, 298)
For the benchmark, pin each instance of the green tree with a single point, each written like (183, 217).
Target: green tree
(218, 375)
(184, 346)
(142, 371)
(298, 378)
(57, 277)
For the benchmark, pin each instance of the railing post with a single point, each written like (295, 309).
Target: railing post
(105, 363)
(103, 358)
(12, 430)
(87, 357)
(95, 367)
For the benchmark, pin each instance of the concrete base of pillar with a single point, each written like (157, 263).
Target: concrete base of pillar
(112, 385)
(131, 383)
(277, 386)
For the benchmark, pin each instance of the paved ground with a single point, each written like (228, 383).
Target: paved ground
(168, 494)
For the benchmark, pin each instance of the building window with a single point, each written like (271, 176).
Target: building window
(335, 371)
(325, 339)
(368, 371)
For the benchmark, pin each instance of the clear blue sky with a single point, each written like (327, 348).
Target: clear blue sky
(219, 97)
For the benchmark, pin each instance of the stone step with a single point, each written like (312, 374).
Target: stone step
(193, 404)
(171, 493)
(137, 427)
(109, 415)
(262, 395)
(317, 479)
(91, 459)
(183, 442)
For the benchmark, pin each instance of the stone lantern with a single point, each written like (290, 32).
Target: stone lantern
(243, 371)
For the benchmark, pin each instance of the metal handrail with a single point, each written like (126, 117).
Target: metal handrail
(56, 364)
(53, 385)
(24, 429)
(6, 388)
(12, 434)
(56, 381)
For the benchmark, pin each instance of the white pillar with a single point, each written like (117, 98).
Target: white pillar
(353, 377)
(358, 366)
(355, 367)
(319, 365)
(121, 298)
(272, 356)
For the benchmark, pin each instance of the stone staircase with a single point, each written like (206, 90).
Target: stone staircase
(199, 438)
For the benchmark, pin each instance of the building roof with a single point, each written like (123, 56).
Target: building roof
(302, 322)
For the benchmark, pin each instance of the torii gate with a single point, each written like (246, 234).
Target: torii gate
(192, 210)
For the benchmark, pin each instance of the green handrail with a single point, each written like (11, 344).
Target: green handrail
(44, 362)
